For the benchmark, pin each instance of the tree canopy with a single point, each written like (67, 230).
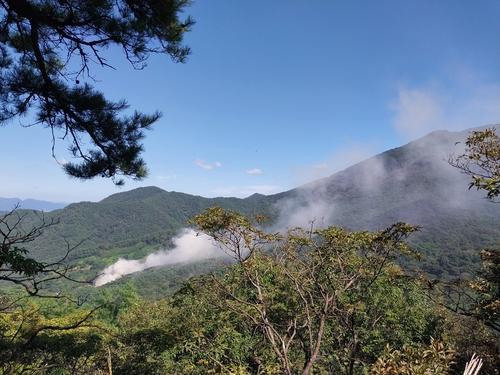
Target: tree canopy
(48, 47)
(480, 298)
(481, 161)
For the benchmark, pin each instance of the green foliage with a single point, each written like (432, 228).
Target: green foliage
(487, 288)
(195, 332)
(135, 223)
(319, 301)
(455, 223)
(469, 336)
(434, 359)
(41, 43)
(323, 300)
(17, 265)
(481, 161)
(334, 298)
(50, 337)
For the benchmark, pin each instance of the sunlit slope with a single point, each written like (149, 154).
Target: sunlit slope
(412, 183)
(128, 224)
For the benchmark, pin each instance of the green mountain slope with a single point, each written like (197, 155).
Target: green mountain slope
(412, 183)
(128, 224)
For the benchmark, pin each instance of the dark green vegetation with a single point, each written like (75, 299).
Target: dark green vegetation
(48, 53)
(325, 299)
(412, 183)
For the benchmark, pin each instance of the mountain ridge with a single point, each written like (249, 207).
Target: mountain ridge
(412, 183)
(7, 204)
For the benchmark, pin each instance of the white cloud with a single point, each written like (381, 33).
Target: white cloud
(245, 191)
(254, 171)
(207, 166)
(342, 158)
(420, 110)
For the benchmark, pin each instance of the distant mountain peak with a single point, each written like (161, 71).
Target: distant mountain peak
(138, 193)
(7, 204)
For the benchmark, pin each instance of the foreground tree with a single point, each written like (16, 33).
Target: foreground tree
(477, 297)
(51, 337)
(48, 50)
(480, 297)
(48, 47)
(321, 299)
(481, 161)
(29, 338)
(17, 265)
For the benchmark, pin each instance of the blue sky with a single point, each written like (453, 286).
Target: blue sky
(277, 93)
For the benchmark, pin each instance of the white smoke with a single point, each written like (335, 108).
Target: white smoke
(189, 246)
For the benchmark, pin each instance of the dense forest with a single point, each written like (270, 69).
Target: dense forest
(388, 267)
(302, 300)
(411, 185)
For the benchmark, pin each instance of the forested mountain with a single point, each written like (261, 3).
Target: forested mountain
(413, 183)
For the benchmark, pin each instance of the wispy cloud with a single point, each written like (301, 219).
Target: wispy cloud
(342, 158)
(420, 110)
(207, 166)
(245, 191)
(254, 171)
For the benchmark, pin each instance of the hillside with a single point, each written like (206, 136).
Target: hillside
(412, 183)
(128, 224)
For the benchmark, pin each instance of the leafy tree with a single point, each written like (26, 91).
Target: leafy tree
(479, 298)
(32, 341)
(17, 266)
(481, 161)
(315, 301)
(51, 338)
(486, 306)
(468, 336)
(435, 358)
(320, 299)
(200, 330)
(47, 47)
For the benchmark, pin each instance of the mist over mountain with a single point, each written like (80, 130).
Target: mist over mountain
(413, 183)
(7, 204)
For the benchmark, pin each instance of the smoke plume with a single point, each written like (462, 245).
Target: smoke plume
(189, 246)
